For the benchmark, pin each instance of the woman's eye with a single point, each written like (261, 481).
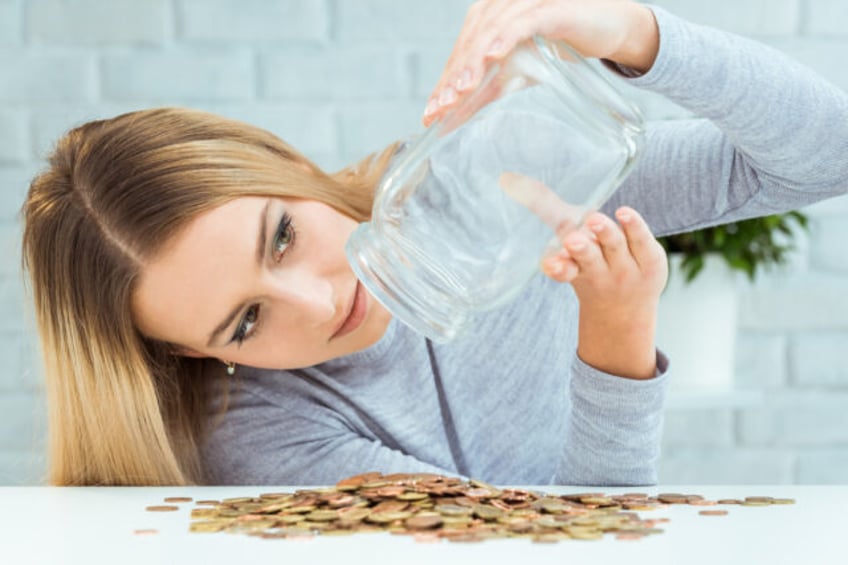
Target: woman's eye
(247, 324)
(284, 237)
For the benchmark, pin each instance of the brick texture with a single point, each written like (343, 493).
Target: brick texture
(328, 74)
(253, 20)
(14, 140)
(827, 18)
(698, 428)
(179, 76)
(761, 360)
(724, 466)
(35, 77)
(822, 467)
(94, 22)
(825, 257)
(807, 302)
(814, 360)
(794, 419)
(11, 23)
(385, 21)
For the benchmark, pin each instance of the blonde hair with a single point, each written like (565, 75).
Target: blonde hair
(123, 409)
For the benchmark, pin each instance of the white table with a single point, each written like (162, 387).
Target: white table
(48, 525)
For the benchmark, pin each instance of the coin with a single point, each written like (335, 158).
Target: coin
(161, 508)
(430, 507)
(145, 532)
(424, 521)
(178, 499)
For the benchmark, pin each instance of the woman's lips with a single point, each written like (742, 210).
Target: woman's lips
(356, 314)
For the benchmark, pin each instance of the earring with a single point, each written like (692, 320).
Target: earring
(231, 368)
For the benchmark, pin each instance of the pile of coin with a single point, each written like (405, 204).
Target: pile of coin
(432, 507)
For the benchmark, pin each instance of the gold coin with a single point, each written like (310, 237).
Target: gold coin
(207, 526)
(162, 508)
(322, 515)
(203, 513)
(423, 521)
(431, 508)
(386, 517)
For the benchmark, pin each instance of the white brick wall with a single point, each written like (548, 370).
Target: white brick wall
(292, 21)
(341, 78)
(94, 22)
(14, 142)
(34, 76)
(812, 359)
(355, 73)
(179, 75)
(826, 18)
(11, 23)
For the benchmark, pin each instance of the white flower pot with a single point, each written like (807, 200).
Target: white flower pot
(696, 327)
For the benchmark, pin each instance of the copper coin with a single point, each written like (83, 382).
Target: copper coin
(713, 512)
(425, 522)
(178, 499)
(162, 508)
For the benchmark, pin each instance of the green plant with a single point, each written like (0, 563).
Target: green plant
(744, 245)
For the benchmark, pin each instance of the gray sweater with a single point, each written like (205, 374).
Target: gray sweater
(511, 403)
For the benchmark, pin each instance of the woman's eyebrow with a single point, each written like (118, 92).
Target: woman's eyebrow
(260, 254)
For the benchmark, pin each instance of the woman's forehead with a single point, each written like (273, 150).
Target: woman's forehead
(181, 289)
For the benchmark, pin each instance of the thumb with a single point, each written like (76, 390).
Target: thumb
(561, 217)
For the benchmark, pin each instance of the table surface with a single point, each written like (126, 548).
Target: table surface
(96, 525)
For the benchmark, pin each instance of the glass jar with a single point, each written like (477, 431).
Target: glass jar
(465, 212)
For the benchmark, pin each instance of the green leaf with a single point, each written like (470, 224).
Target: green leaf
(745, 245)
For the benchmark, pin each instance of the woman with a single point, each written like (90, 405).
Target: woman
(169, 250)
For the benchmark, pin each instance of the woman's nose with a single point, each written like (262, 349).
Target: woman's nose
(310, 297)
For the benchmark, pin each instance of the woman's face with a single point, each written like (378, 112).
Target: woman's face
(261, 282)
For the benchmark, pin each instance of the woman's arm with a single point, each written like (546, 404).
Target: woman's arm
(619, 30)
(774, 135)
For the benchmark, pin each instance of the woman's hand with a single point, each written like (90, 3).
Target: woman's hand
(620, 30)
(618, 274)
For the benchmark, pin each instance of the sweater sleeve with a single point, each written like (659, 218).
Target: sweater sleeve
(614, 433)
(773, 135)
(262, 443)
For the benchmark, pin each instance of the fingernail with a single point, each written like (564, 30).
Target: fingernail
(464, 80)
(577, 246)
(447, 96)
(495, 48)
(596, 227)
(624, 217)
(556, 268)
(432, 106)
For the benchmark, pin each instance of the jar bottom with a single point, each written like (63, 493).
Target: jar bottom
(416, 300)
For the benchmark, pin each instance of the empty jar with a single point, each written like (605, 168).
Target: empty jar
(465, 212)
